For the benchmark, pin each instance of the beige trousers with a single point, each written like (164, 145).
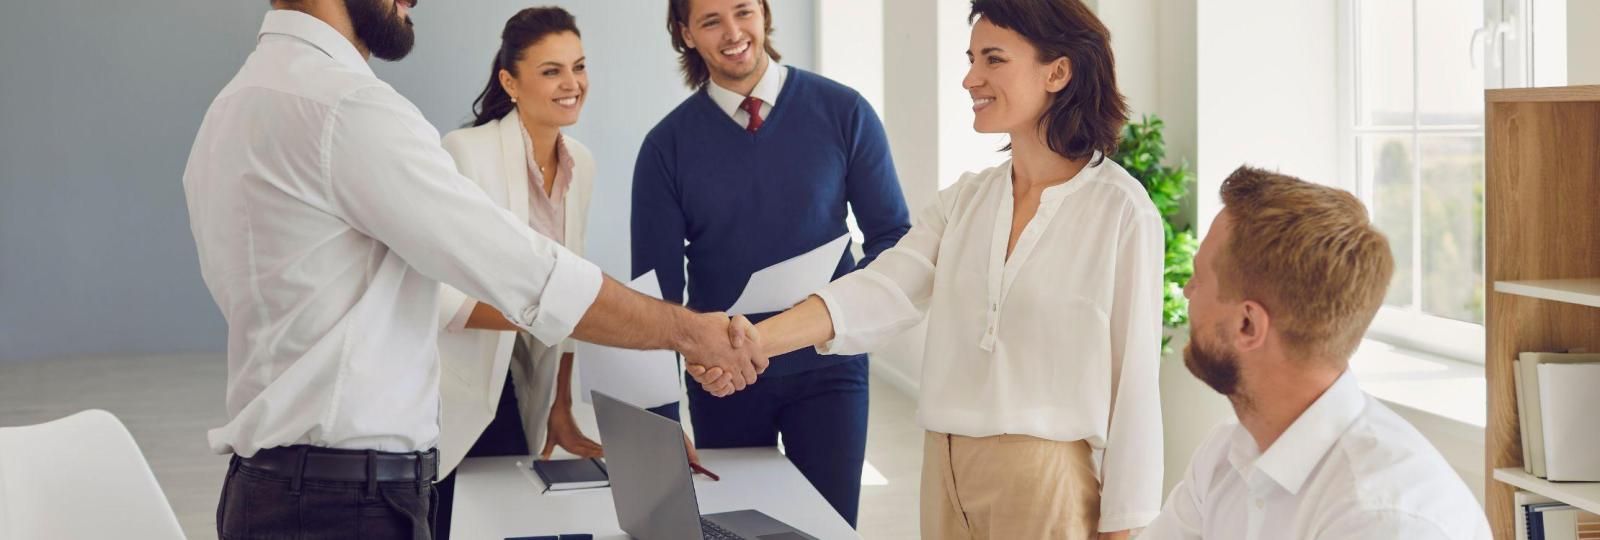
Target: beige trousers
(1008, 487)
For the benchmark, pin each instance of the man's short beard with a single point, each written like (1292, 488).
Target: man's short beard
(386, 35)
(1217, 367)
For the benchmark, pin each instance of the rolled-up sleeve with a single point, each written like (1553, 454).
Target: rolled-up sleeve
(873, 305)
(1132, 466)
(390, 179)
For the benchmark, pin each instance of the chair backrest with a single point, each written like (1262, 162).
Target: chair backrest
(79, 477)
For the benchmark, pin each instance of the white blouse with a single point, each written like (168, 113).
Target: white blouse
(1060, 342)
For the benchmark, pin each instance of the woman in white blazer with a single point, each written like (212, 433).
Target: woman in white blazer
(503, 392)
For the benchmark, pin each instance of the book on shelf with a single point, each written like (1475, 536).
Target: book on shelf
(1541, 518)
(1521, 517)
(1568, 400)
(1531, 405)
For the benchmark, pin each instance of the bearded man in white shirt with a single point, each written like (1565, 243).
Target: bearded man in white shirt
(1285, 284)
(325, 214)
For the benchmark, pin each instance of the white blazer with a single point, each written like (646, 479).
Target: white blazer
(474, 362)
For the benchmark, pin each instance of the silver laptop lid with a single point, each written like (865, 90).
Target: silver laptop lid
(651, 484)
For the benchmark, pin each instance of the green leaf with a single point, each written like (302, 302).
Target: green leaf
(1142, 152)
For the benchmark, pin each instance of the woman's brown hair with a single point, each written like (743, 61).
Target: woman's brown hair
(1086, 116)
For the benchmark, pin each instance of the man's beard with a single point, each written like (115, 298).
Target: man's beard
(386, 35)
(1218, 366)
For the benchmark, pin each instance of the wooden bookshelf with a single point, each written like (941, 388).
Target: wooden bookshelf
(1542, 229)
(1584, 495)
(1583, 292)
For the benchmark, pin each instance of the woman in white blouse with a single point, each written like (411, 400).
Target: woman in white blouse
(1041, 280)
(504, 393)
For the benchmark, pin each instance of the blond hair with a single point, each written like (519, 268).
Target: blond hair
(1309, 254)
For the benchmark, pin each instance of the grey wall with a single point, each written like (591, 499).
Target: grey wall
(99, 103)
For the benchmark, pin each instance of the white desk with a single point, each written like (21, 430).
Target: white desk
(495, 500)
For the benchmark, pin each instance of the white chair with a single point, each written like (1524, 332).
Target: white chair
(79, 477)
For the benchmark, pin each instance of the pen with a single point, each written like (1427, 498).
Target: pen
(702, 470)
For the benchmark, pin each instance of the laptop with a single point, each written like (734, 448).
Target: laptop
(653, 488)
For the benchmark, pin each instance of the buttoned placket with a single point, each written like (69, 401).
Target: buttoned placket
(1260, 487)
(1002, 271)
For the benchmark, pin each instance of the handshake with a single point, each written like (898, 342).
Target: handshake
(723, 354)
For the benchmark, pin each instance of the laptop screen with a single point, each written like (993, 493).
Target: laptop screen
(651, 484)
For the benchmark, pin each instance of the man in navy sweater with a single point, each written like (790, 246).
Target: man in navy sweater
(758, 166)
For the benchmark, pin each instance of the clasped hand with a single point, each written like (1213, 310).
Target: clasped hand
(725, 355)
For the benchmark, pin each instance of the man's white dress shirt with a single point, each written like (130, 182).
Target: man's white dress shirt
(766, 90)
(326, 213)
(1348, 468)
(1060, 341)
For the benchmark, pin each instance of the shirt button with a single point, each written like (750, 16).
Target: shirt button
(1260, 504)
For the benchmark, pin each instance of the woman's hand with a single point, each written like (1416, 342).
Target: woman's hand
(563, 429)
(803, 325)
(564, 432)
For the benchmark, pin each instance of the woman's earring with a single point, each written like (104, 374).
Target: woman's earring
(513, 99)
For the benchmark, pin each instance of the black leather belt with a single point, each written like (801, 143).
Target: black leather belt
(336, 465)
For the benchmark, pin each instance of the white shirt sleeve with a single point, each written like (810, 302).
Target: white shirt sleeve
(876, 303)
(1183, 516)
(1384, 524)
(390, 179)
(1132, 468)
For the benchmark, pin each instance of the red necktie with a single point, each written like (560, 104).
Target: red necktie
(752, 105)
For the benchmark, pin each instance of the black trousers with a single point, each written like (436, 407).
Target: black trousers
(261, 504)
(503, 437)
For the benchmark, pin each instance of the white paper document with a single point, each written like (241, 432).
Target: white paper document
(641, 378)
(1571, 428)
(781, 286)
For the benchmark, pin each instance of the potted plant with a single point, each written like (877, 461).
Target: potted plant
(1189, 408)
(1143, 152)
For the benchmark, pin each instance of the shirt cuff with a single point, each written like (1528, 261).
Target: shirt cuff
(840, 328)
(1125, 522)
(459, 321)
(568, 294)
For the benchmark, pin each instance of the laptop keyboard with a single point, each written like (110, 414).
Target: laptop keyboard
(709, 530)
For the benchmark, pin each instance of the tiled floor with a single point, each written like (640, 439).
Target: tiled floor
(169, 402)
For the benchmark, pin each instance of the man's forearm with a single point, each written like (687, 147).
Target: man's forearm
(564, 381)
(621, 317)
(486, 317)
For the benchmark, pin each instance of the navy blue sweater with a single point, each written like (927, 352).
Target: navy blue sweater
(733, 203)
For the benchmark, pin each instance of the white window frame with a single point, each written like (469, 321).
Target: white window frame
(1409, 328)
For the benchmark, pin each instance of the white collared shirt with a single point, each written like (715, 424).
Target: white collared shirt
(1059, 342)
(1347, 468)
(325, 211)
(766, 90)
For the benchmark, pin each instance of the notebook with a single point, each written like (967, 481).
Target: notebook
(571, 474)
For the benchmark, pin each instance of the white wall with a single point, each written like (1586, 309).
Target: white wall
(850, 46)
(1267, 92)
(1155, 46)
(99, 103)
(1583, 33)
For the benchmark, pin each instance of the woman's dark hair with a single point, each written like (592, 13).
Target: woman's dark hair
(695, 72)
(1086, 116)
(524, 30)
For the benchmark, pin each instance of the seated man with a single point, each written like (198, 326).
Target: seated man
(1284, 287)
